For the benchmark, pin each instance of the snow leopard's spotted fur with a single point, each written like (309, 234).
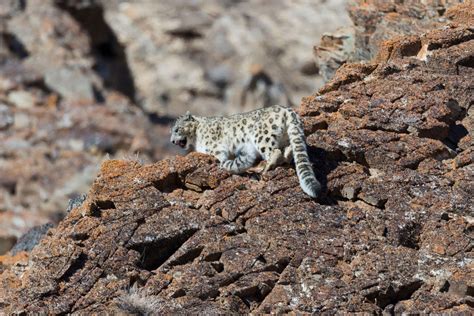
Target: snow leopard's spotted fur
(273, 133)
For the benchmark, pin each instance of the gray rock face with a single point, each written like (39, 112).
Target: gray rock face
(70, 84)
(29, 240)
(6, 117)
(197, 55)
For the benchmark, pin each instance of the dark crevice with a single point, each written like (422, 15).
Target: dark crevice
(105, 205)
(160, 120)
(95, 211)
(391, 295)
(470, 291)
(170, 183)
(98, 96)
(467, 62)
(185, 34)
(409, 235)
(77, 265)
(14, 45)
(279, 266)
(456, 111)
(469, 302)
(41, 85)
(155, 253)
(210, 293)
(97, 207)
(215, 256)
(9, 186)
(456, 41)
(79, 236)
(254, 295)
(178, 293)
(218, 266)
(22, 5)
(445, 287)
(391, 69)
(234, 277)
(261, 259)
(455, 134)
(457, 130)
(187, 257)
(110, 58)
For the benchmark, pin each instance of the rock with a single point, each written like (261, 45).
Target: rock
(334, 50)
(21, 99)
(13, 225)
(21, 120)
(10, 7)
(6, 243)
(261, 89)
(70, 84)
(378, 21)
(14, 74)
(56, 48)
(75, 202)
(6, 118)
(392, 232)
(29, 240)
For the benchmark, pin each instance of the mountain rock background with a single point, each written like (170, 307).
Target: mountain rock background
(389, 134)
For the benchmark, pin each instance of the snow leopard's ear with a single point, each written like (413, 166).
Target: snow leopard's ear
(188, 116)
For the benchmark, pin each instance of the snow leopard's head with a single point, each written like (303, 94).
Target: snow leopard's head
(183, 132)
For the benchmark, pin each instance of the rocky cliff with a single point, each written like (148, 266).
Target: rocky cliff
(390, 139)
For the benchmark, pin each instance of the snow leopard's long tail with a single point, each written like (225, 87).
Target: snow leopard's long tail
(304, 169)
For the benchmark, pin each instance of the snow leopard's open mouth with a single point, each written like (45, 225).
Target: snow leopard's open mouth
(182, 143)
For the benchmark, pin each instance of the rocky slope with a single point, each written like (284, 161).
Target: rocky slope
(374, 22)
(393, 232)
(84, 80)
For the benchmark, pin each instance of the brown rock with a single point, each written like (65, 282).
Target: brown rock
(378, 21)
(381, 28)
(334, 50)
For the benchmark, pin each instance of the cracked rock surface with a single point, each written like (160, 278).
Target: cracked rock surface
(393, 232)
